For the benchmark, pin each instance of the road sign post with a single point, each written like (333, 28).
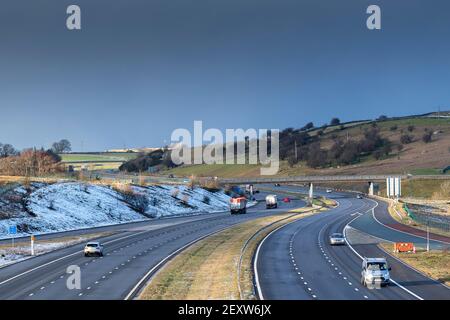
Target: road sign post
(12, 231)
(32, 245)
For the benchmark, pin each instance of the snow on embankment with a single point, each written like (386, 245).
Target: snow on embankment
(69, 206)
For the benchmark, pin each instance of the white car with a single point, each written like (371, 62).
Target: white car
(93, 248)
(329, 191)
(337, 239)
(375, 271)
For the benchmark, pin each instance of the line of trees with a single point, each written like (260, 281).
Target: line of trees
(32, 161)
(158, 158)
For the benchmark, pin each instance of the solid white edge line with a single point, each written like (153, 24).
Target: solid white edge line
(361, 257)
(62, 258)
(411, 267)
(255, 261)
(408, 233)
(173, 253)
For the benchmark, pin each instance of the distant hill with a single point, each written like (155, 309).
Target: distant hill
(417, 144)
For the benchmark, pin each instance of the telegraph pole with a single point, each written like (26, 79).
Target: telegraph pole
(295, 144)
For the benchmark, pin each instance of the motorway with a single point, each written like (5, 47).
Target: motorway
(297, 262)
(293, 262)
(130, 253)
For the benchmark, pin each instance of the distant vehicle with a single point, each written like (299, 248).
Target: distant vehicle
(171, 176)
(238, 205)
(329, 191)
(375, 271)
(93, 248)
(337, 239)
(286, 199)
(249, 189)
(271, 201)
(277, 184)
(359, 196)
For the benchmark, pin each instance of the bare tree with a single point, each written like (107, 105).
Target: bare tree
(62, 146)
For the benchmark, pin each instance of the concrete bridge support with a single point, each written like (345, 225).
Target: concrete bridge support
(370, 188)
(311, 194)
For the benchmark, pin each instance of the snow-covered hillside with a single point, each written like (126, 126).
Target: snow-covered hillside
(69, 206)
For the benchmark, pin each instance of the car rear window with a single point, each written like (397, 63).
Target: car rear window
(377, 266)
(93, 245)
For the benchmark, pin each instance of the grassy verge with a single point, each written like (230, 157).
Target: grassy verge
(396, 209)
(423, 189)
(434, 264)
(211, 268)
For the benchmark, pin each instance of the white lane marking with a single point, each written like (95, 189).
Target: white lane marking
(255, 262)
(410, 267)
(132, 292)
(361, 257)
(62, 258)
(411, 234)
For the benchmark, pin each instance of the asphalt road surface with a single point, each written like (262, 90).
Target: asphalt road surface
(297, 262)
(129, 254)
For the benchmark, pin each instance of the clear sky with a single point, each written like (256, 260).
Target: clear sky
(139, 69)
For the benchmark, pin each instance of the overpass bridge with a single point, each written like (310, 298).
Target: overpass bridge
(334, 178)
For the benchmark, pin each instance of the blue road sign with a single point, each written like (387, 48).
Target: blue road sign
(12, 229)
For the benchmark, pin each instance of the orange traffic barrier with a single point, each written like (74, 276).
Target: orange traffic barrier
(404, 247)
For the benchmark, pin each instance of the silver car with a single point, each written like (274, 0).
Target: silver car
(93, 248)
(337, 239)
(375, 272)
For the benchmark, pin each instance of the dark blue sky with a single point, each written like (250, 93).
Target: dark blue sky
(141, 68)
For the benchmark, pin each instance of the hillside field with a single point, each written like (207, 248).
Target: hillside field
(416, 157)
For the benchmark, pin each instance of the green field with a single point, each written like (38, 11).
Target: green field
(97, 160)
(426, 171)
(97, 157)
